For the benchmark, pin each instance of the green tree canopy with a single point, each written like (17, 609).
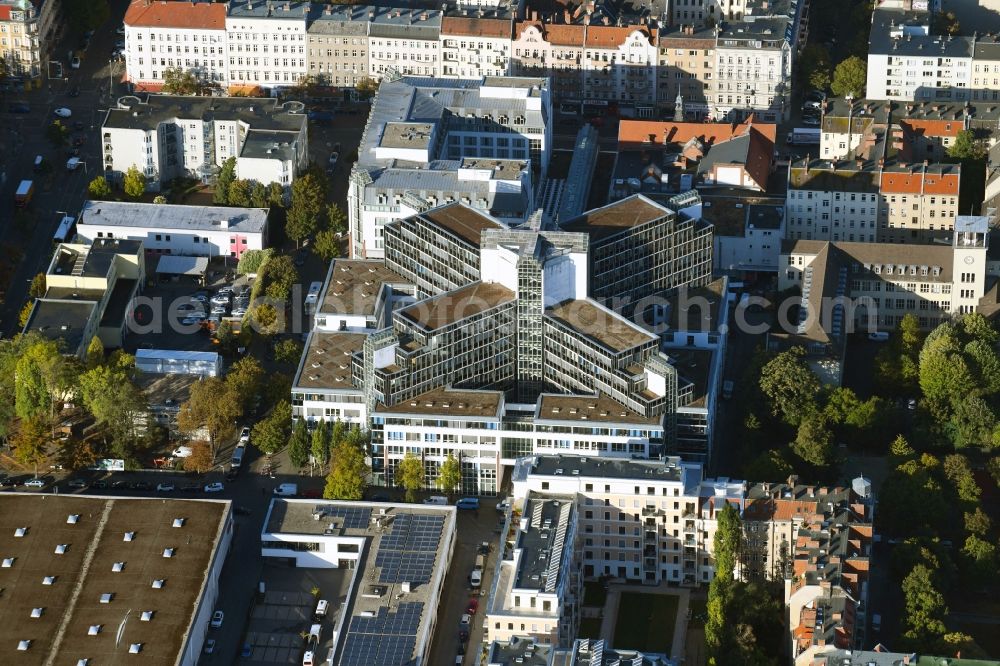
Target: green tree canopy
(84, 15)
(814, 440)
(134, 183)
(258, 196)
(957, 470)
(37, 288)
(226, 177)
(727, 541)
(814, 67)
(116, 404)
(972, 423)
(925, 610)
(239, 193)
(201, 459)
(336, 219)
(320, 444)
(966, 147)
(849, 78)
(410, 475)
(279, 275)
(99, 189)
(348, 473)
(30, 441)
(326, 245)
(179, 81)
(308, 195)
(95, 353)
(977, 522)
(288, 350)
(450, 475)
(790, 385)
(272, 433)
(209, 406)
(298, 444)
(245, 382)
(57, 133)
(41, 374)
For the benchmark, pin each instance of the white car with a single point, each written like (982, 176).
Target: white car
(189, 321)
(307, 659)
(63, 112)
(244, 436)
(210, 646)
(217, 618)
(75, 63)
(165, 487)
(182, 452)
(220, 299)
(216, 487)
(238, 312)
(34, 483)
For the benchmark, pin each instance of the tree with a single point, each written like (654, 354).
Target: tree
(298, 445)
(251, 261)
(264, 318)
(944, 372)
(57, 133)
(159, 199)
(37, 288)
(972, 423)
(814, 67)
(410, 475)
(209, 406)
(29, 442)
(728, 537)
(116, 404)
(239, 193)
(258, 195)
(276, 195)
(225, 335)
(99, 188)
(95, 353)
(11, 351)
(977, 327)
(40, 376)
(348, 473)
(134, 183)
(814, 441)
(925, 610)
(288, 351)
(336, 219)
(201, 459)
(450, 475)
(849, 78)
(979, 559)
(958, 471)
(326, 245)
(901, 448)
(790, 385)
(279, 275)
(977, 522)
(958, 643)
(966, 147)
(320, 445)
(245, 381)
(769, 465)
(226, 177)
(272, 433)
(366, 87)
(177, 81)
(25, 315)
(307, 204)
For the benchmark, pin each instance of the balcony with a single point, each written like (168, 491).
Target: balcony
(651, 511)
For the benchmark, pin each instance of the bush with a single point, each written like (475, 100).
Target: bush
(252, 261)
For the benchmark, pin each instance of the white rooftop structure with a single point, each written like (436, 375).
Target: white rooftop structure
(174, 362)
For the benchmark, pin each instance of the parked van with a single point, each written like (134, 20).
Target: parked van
(322, 606)
(436, 499)
(287, 490)
(476, 579)
(480, 562)
(469, 503)
(238, 456)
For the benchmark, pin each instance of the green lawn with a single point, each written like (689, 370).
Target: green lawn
(594, 593)
(646, 622)
(590, 627)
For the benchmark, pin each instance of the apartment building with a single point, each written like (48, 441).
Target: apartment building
(918, 202)
(753, 70)
(180, 36)
(685, 71)
(986, 68)
(593, 63)
(167, 136)
(404, 42)
(832, 201)
(28, 35)
(706, 13)
(457, 128)
(266, 43)
(337, 52)
(871, 286)
(487, 343)
(538, 591)
(90, 291)
(474, 46)
(906, 62)
(747, 232)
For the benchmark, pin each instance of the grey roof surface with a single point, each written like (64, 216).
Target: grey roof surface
(520, 651)
(269, 144)
(170, 216)
(297, 9)
(327, 19)
(762, 29)
(61, 320)
(765, 217)
(541, 559)
(148, 112)
(605, 468)
(441, 179)
(730, 151)
(405, 23)
(881, 41)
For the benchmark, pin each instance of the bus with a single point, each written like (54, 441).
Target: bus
(312, 298)
(66, 230)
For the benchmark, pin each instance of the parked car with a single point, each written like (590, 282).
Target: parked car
(472, 607)
(503, 505)
(99, 485)
(199, 296)
(191, 487)
(232, 474)
(811, 121)
(468, 503)
(238, 312)
(308, 659)
(191, 320)
(220, 299)
(34, 483)
(62, 112)
(215, 487)
(185, 307)
(244, 436)
(210, 646)
(8, 482)
(334, 156)
(77, 483)
(246, 650)
(219, 309)
(181, 452)
(463, 635)
(465, 620)
(165, 487)
(142, 485)
(75, 62)
(217, 618)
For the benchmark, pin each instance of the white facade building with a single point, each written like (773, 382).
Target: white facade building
(753, 71)
(267, 43)
(168, 136)
(834, 201)
(404, 42)
(203, 231)
(475, 47)
(185, 36)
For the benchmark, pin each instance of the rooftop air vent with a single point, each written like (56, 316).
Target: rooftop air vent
(158, 583)
(8, 562)
(168, 552)
(61, 548)
(20, 532)
(135, 648)
(37, 612)
(94, 630)
(179, 522)
(49, 580)
(73, 519)
(129, 536)
(146, 616)
(106, 597)
(117, 567)
(23, 645)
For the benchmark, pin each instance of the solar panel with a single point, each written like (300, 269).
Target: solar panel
(407, 551)
(386, 639)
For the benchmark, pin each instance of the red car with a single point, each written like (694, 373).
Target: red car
(472, 607)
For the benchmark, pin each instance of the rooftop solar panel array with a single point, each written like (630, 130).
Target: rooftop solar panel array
(355, 518)
(407, 551)
(385, 639)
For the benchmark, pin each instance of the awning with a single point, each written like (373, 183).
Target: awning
(173, 265)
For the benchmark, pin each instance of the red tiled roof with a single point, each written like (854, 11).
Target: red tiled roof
(932, 127)
(910, 183)
(176, 14)
(609, 37)
(638, 134)
(5, 12)
(475, 27)
(558, 34)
